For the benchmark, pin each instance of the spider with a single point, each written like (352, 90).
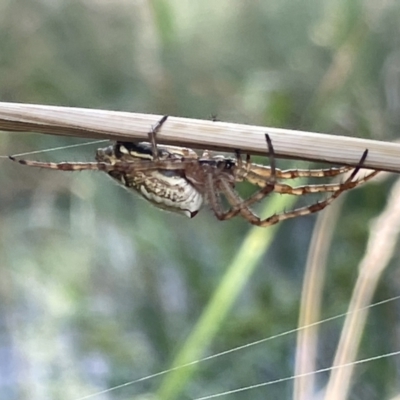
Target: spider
(178, 179)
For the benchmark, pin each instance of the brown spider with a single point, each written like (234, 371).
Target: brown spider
(178, 179)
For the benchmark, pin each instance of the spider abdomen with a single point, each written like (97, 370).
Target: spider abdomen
(165, 189)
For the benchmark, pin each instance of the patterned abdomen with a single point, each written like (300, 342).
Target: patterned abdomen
(165, 189)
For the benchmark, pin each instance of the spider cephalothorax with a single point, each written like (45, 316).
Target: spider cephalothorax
(178, 179)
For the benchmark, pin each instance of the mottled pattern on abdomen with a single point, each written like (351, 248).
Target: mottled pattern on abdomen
(164, 188)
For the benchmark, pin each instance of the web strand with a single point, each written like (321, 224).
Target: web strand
(57, 148)
(257, 342)
(289, 378)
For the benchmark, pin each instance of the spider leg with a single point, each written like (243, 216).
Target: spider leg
(121, 166)
(257, 174)
(313, 173)
(213, 197)
(242, 206)
(331, 187)
(152, 136)
(269, 184)
(313, 208)
(263, 171)
(63, 166)
(243, 170)
(238, 204)
(234, 199)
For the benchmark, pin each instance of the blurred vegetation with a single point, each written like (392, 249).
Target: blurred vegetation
(97, 287)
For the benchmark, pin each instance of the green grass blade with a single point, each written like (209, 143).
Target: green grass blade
(255, 244)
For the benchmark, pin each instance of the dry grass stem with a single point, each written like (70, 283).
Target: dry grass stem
(311, 301)
(383, 237)
(200, 134)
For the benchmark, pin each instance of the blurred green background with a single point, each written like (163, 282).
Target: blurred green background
(97, 287)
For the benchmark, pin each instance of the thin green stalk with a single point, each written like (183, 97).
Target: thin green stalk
(211, 321)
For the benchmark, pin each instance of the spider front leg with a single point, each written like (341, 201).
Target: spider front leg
(313, 208)
(258, 174)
